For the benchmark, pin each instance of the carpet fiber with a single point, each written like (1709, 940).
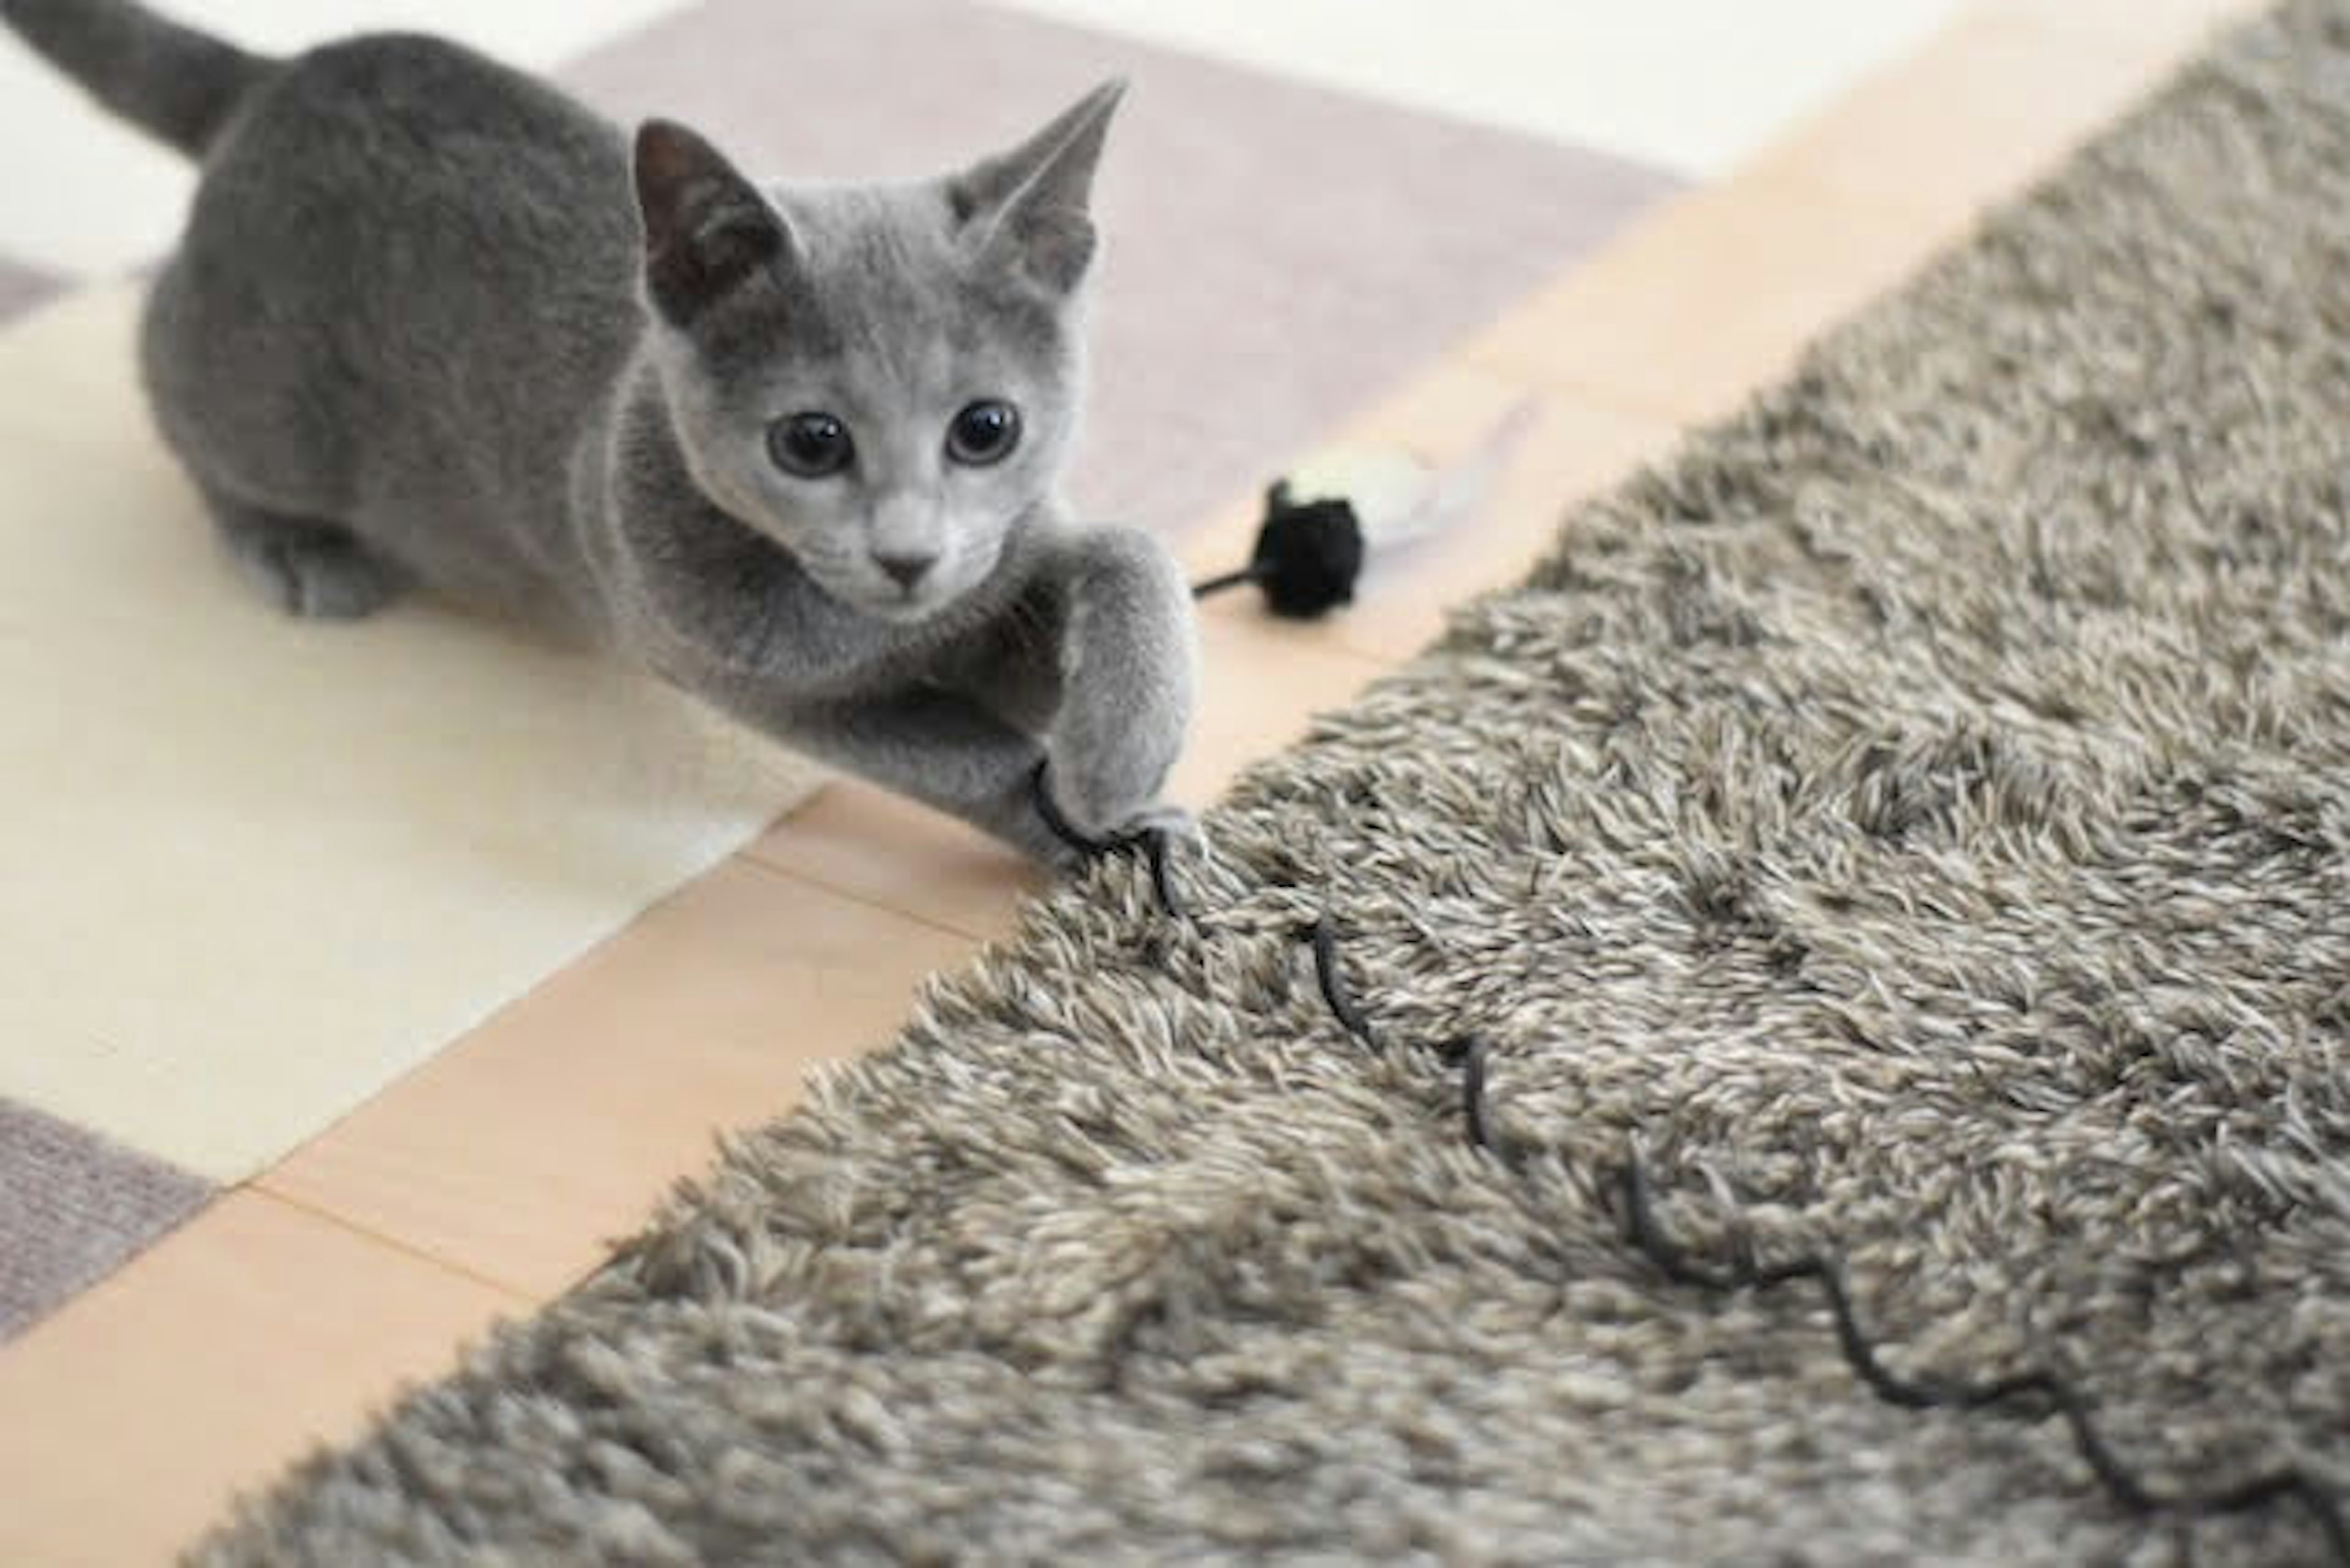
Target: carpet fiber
(1915, 819)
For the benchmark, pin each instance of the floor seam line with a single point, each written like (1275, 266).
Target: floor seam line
(260, 1187)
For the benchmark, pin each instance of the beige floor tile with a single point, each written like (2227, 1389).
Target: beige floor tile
(1261, 682)
(883, 848)
(1992, 103)
(2142, 28)
(471, 809)
(65, 371)
(129, 1418)
(522, 1150)
(1709, 298)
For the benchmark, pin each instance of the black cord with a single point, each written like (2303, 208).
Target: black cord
(1058, 823)
(1156, 849)
(1473, 1093)
(1333, 987)
(1647, 1234)
(1217, 585)
(1154, 843)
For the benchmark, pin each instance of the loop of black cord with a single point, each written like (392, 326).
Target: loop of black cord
(1335, 994)
(2037, 1385)
(1154, 843)
(1645, 1231)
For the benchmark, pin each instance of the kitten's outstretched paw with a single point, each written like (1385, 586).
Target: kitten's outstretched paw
(1156, 831)
(1167, 836)
(1171, 826)
(1176, 825)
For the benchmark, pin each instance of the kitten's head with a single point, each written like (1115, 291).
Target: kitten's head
(883, 379)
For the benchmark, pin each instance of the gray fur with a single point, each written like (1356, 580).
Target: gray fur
(173, 83)
(1917, 814)
(433, 323)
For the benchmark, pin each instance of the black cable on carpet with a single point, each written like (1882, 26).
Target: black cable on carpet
(2032, 1389)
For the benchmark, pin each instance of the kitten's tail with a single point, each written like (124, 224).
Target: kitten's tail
(176, 84)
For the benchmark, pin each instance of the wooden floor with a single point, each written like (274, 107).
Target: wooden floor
(493, 1176)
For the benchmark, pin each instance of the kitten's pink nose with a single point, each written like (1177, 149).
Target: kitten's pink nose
(904, 570)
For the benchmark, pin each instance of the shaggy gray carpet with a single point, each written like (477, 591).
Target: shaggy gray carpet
(1913, 820)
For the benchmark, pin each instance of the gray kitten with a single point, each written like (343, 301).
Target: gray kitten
(795, 449)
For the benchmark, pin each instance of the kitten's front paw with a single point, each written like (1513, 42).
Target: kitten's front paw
(1083, 835)
(1167, 838)
(1173, 823)
(1129, 661)
(1102, 789)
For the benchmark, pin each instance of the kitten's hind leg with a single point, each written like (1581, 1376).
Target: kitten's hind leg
(315, 570)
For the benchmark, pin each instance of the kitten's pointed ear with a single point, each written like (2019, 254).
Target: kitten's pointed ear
(707, 229)
(1030, 204)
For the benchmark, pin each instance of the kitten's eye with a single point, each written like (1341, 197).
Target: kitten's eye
(811, 445)
(984, 433)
